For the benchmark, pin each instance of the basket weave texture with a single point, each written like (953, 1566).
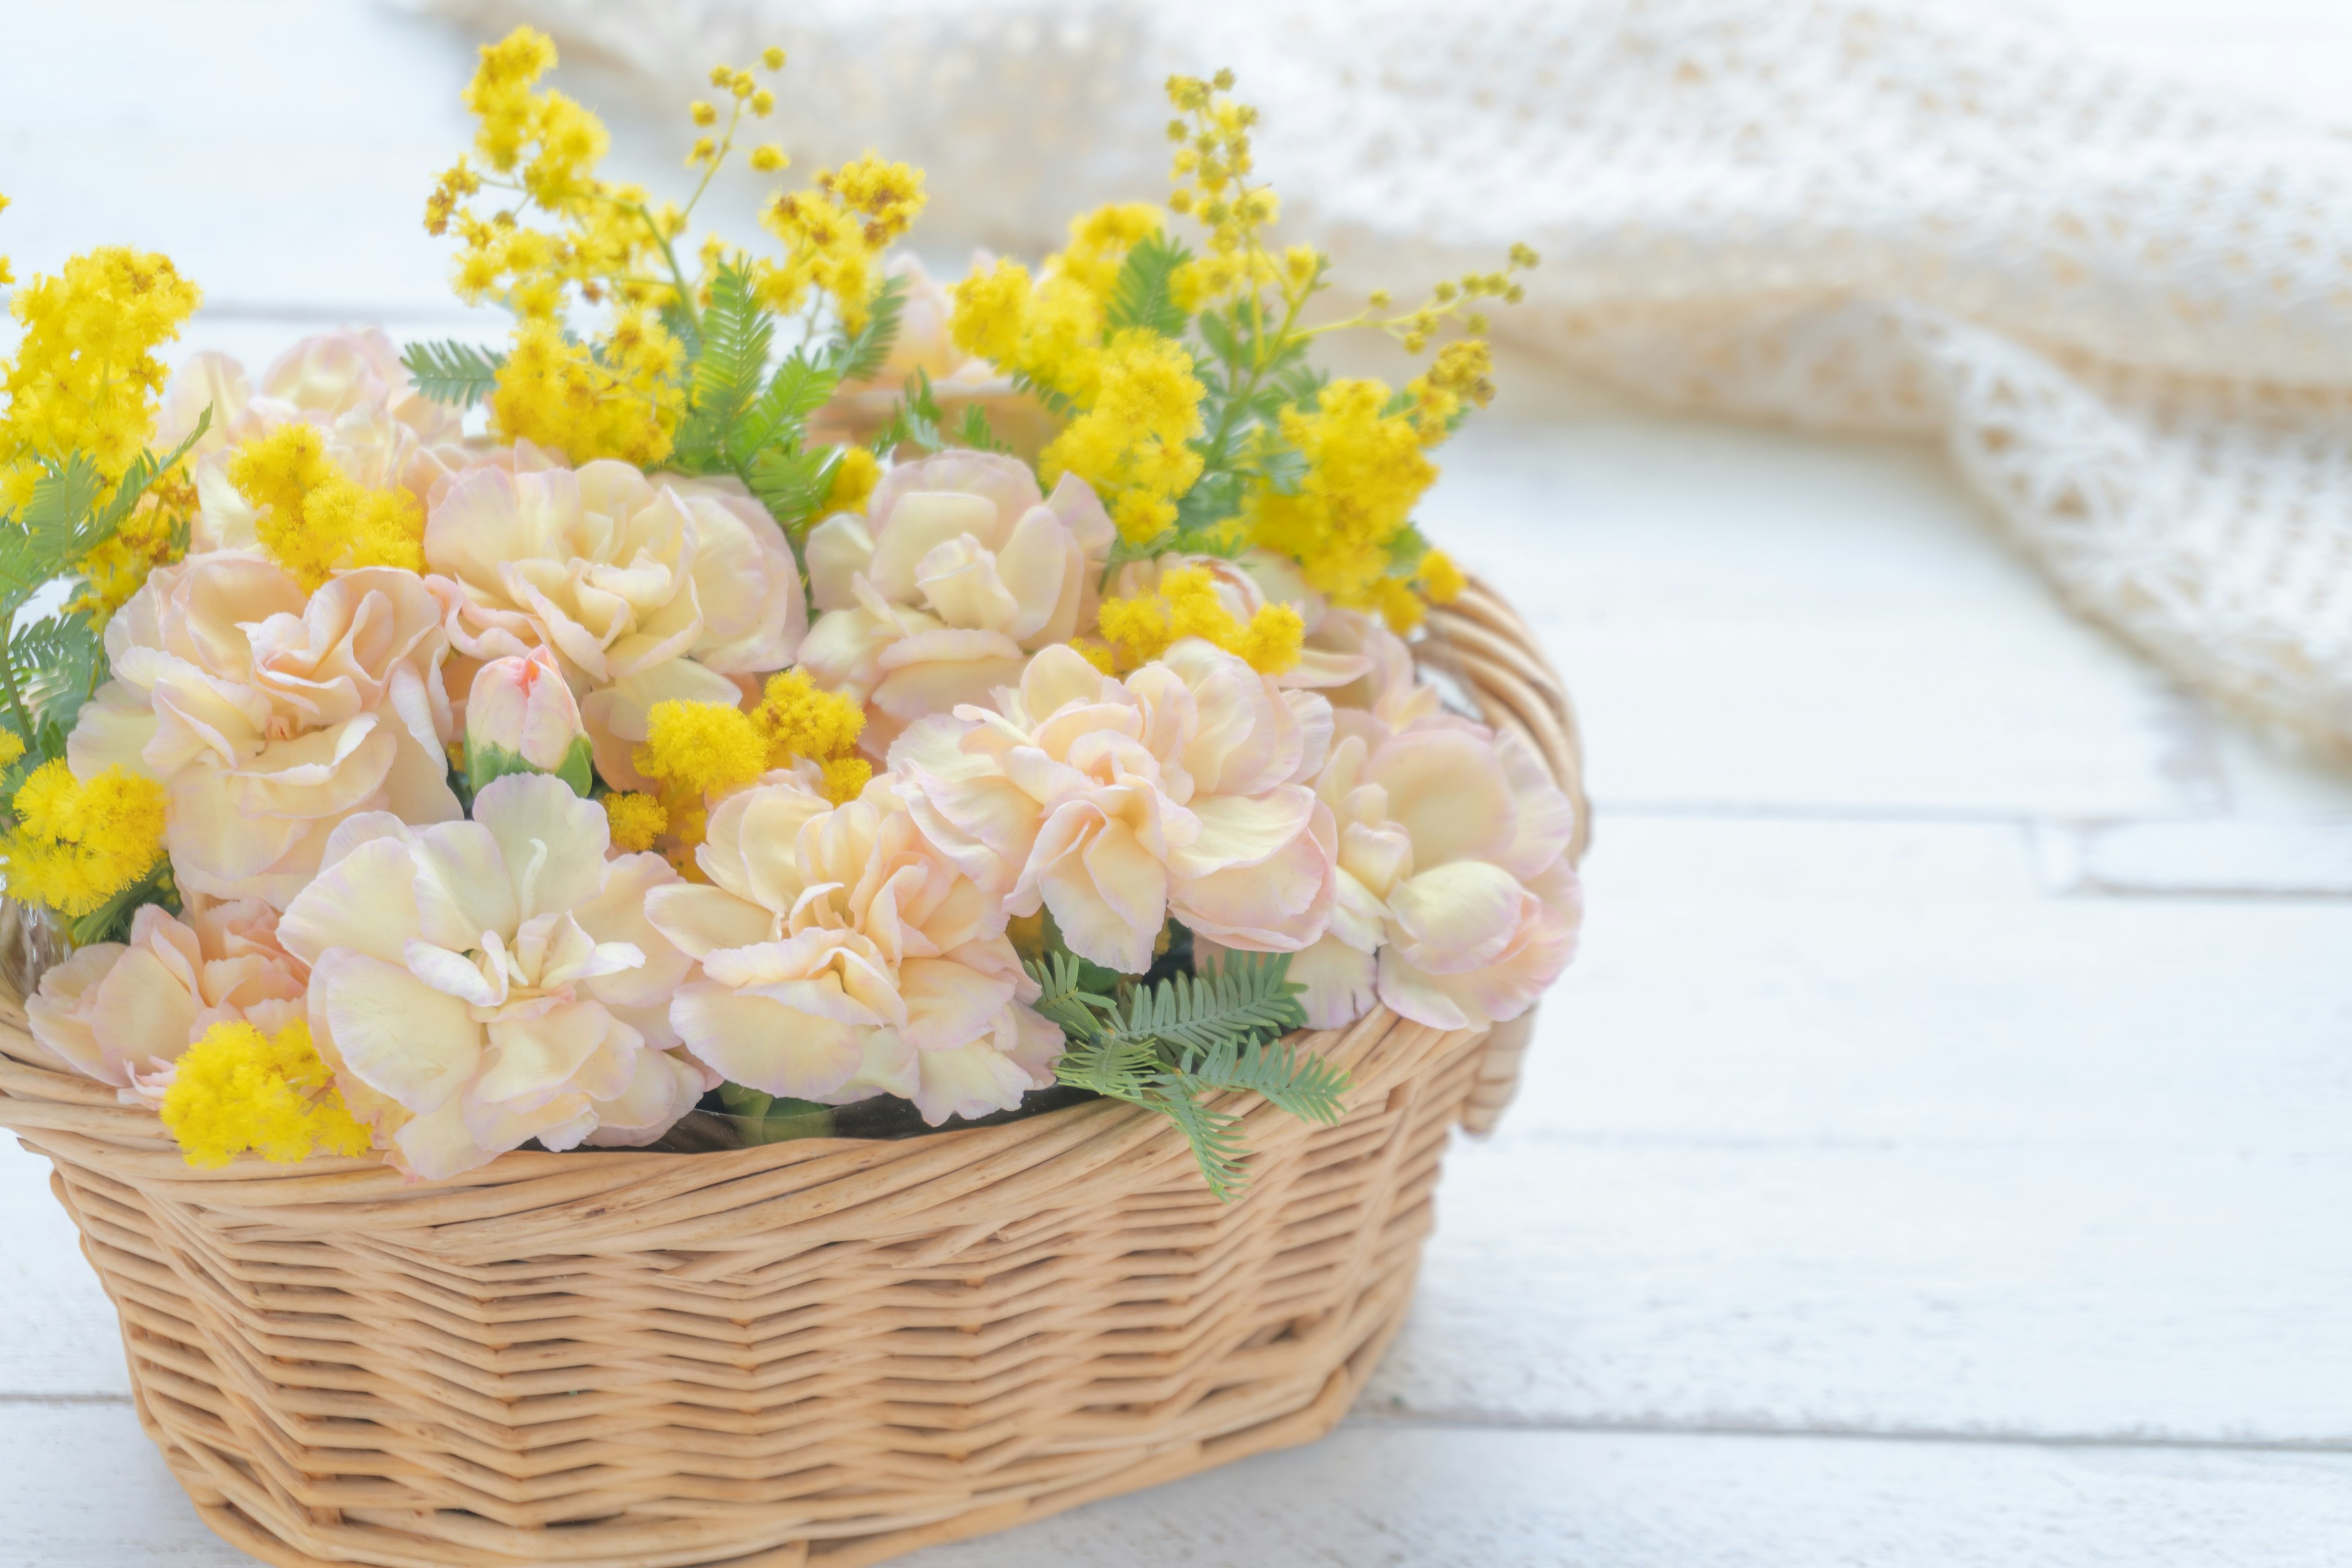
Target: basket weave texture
(815, 1352)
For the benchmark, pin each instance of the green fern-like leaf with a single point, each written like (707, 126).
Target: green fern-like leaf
(1168, 1046)
(110, 921)
(860, 355)
(976, 432)
(57, 661)
(799, 388)
(736, 336)
(1066, 999)
(679, 321)
(914, 419)
(1215, 1135)
(59, 516)
(1292, 1080)
(457, 374)
(141, 477)
(1143, 294)
(1121, 1069)
(793, 483)
(1248, 995)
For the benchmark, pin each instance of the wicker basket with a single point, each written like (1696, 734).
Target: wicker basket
(822, 1351)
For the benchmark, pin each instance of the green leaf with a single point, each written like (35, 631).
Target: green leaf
(736, 336)
(1066, 998)
(1215, 1135)
(142, 475)
(799, 388)
(53, 658)
(457, 374)
(977, 433)
(860, 355)
(110, 921)
(914, 419)
(1219, 334)
(765, 1118)
(1166, 1047)
(1406, 550)
(1301, 386)
(679, 321)
(1143, 294)
(1299, 1082)
(1117, 1070)
(486, 761)
(793, 483)
(59, 514)
(1248, 995)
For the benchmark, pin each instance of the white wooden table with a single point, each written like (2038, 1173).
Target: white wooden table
(1942, 1152)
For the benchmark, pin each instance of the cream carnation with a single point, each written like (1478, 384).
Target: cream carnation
(1117, 802)
(372, 423)
(644, 589)
(1457, 902)
(124, 1012)
(269, 717)
(957, 569)
(843, 956)
(472, 984)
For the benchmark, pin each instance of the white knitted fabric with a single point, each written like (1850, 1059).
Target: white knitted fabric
(2125, 306)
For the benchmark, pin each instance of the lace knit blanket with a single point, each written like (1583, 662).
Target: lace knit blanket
(2126, 307)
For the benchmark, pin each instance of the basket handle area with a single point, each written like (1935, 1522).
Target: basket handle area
(1482, 642)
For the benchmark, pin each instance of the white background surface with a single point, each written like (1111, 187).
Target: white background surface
(1942, 1151)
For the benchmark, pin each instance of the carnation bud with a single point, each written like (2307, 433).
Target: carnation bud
(521, 718)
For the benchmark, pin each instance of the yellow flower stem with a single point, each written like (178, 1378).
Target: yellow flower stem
(726, 145)
(1260, 360)
(675, 282)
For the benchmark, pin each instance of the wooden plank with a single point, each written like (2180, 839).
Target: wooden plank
(81, 1487)
(1843, 1125)
(2224, 858)
(57, 1332)
(1754, 620)
(2097, 1292)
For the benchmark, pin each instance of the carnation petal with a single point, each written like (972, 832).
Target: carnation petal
(365, 901)
(395, 1032)
(946, 1003)
(1456, 917)
(702, 920)
(552, 841)
(973, 1080)
(762, 1044)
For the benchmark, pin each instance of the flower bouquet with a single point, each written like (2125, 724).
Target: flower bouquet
(513, 854)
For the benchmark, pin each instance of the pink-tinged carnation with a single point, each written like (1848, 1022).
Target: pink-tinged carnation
(478, 984)
(1390, 694)
(520, 714)
(1118, 803)
(373, 424)
(644, 589)
(959, 569)
(843, 956)
(1457, 904)
(1246, 586)
(268, 717)
(122, 1013)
